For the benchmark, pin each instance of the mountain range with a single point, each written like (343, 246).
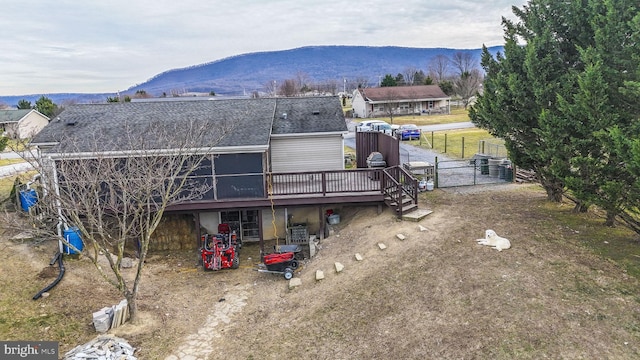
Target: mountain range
(247, 73)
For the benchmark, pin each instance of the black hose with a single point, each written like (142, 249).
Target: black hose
(55, 282)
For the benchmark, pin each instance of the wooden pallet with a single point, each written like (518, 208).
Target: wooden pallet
(523, 176)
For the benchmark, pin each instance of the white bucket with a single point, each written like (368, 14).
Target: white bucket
(333, 219)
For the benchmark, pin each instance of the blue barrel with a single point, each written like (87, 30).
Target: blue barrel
(72, 236)
(28, 198)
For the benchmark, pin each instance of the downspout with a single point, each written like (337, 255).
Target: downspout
(45, 188)
(56, 188)
(58, 256)
(33, 179)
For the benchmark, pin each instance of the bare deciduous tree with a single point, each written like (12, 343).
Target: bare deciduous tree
(392, 104)
(361, 82)
(467, 85)
(329, 86)
(409, 75)
(302, 81)
(464, 62)
(438, 67)
(289, 88)
(270, 87)
(117, 198)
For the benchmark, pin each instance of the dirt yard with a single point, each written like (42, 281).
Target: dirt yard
(435, 295)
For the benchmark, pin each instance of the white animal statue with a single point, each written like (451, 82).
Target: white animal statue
(492, 239)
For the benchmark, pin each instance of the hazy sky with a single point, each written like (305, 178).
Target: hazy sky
(106, 46)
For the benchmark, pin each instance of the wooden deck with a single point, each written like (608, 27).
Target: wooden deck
(324, 183)
(305, 188)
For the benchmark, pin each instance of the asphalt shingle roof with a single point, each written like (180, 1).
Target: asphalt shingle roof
(13, 116)
(308, 115)
(421, 92)
(158, 125)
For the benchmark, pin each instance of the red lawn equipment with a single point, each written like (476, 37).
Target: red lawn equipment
(284, 263)
(220, 251)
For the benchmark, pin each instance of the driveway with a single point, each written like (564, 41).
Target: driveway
(451, 172)
(409, 153)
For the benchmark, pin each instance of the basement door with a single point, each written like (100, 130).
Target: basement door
(244, 222)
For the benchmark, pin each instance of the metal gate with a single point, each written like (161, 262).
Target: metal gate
(479, 171)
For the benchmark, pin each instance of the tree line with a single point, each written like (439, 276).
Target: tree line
(43, 105)
(459, 75)
(565, 97)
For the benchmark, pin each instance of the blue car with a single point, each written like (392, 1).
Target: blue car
(409, 132)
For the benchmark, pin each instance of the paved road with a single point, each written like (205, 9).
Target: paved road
(13, 169)
(15, 155)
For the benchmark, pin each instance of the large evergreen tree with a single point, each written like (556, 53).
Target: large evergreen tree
(46, 107)
(568, 77)
(388, 80)
(520, 88)
(24, 104)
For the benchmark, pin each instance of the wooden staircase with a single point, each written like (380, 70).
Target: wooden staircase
(400, 190)
(407, 204)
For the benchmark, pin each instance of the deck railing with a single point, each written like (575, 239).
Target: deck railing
(399, 183)
(325, 182)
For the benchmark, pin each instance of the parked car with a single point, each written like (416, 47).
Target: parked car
(383, 128)
(367, 125)
(409, 132)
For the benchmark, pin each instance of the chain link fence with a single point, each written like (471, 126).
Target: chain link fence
(480, 170)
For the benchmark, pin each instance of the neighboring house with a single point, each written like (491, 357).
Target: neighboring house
(400, 100)
(283, 157)
(21, 123)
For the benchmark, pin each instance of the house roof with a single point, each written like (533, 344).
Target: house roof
(395, 93)
(308, 115)
(156, 125)
(13, 116)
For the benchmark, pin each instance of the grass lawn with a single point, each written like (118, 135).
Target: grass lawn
(4, 162)
(6, 183)
(462, 144)
(16, 145)
(457, 115)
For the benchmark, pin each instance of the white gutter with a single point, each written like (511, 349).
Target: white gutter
(45, 144)
(406, 100)
(144, 153)
(309, 134)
